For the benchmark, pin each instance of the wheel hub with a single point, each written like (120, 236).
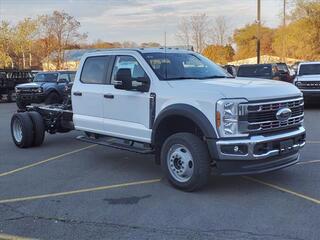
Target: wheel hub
(180, 163)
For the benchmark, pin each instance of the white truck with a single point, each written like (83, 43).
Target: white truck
(308, 80)
(178, 105)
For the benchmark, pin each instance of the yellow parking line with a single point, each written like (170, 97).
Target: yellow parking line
(300, 195)
(44, 161)
(79, 191)
(13, 237)
(308, 162)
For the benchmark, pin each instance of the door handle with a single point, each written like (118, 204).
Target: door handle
(109, 95)
(77, 93)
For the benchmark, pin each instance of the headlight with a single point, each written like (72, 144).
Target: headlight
(298, 84)
(37, 90)
(227, 114)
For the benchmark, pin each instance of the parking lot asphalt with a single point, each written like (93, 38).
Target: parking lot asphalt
(68, 189)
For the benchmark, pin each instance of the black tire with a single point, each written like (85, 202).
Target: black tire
(38, 128)
(52, 98)
(200, 157)
(24, 121)
(21, 104)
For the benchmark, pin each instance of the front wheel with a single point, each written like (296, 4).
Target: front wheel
(185, 161)
(52, 98)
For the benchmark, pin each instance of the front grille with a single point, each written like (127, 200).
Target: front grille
(262, 117)
(29, 90)
(308, 85)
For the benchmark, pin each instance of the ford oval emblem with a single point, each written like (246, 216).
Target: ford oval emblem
(284, 114)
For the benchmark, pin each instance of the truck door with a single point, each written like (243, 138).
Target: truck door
(87, 94)
(126, 113)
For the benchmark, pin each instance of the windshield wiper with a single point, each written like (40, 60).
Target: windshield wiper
(215, 76)
(179, 78)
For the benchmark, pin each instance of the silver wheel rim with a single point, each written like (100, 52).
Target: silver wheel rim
(17, 130)
(180, 163)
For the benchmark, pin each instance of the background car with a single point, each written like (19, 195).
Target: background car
(47, 87)
(264, 71)
(9, 78)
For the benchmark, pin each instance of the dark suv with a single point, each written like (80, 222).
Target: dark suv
(265, 71)
(47, 87)
(9, 78)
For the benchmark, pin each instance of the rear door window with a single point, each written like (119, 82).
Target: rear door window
(94, 70)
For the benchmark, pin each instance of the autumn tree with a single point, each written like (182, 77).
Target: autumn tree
(219, 54)
(24, 35)
(246, 39)
(61, 30)
(6, 34)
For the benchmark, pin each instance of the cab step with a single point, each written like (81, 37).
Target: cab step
(119, 144)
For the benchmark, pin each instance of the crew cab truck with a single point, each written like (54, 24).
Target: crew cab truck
(308, 80)
(178, 105)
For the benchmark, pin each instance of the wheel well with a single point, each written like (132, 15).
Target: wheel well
(171, 125)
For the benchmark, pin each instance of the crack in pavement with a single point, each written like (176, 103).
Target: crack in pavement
(179, 233)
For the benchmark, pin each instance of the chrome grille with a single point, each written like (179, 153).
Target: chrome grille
(308, 85)
(261, 117)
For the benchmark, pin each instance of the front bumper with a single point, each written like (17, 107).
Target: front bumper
(310, 92)
(31, 97)
(262, 153)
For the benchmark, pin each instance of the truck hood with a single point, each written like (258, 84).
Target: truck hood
(249, 88)
(33, 85)
(308, 78)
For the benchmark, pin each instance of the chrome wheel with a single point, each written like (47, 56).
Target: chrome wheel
(17, 130)
(180, 163)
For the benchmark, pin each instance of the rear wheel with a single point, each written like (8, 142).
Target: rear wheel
(38, 128)
(52, 98)
(186, 162)
(22, 130)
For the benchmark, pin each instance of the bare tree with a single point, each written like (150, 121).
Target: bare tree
(194, 30)
(184, 32)
(64, 30)
(220, 31)
(199, 31)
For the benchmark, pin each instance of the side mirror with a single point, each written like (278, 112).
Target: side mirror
(62, 80)
(123, 79)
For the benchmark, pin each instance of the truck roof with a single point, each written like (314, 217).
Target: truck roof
(307, 63)
(140, 50)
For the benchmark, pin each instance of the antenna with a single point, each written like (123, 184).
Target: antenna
(165, 53)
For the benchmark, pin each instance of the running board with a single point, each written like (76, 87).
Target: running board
(118, 144)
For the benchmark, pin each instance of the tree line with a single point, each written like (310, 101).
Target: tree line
(33, 41)
(299, 39)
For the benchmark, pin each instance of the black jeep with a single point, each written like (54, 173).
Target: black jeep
(47, 87)
(9, 78)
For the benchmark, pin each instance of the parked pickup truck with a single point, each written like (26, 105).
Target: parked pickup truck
(47, 87)
(9, 78)
(179, 106)
(308, 79)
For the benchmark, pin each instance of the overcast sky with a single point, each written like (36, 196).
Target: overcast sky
(141, 20)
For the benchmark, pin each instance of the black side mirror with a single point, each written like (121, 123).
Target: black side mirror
(123, 79)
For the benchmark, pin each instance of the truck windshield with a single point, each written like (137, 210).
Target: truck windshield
(175, 66)
(255, 71)
(309, 69)
(46, 77)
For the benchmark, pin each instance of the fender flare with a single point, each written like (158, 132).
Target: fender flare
(187, 111)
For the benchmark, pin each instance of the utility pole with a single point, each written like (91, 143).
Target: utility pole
(259, 29)
(284, 32)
